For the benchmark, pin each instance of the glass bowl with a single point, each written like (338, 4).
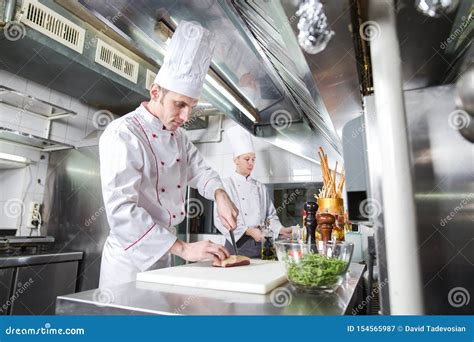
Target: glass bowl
(318, 267)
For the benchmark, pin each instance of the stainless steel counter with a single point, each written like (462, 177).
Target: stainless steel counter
(43, 257)
(139, 298)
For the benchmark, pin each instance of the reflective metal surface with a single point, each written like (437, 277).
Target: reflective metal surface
(444, 196)
(374, 174)
(247, 57)
(29, 140)
(47, 282)
(73, 209)
(36, 258)
(138, 298)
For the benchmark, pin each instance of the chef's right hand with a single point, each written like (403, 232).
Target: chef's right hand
(201, 250)
(226, 209)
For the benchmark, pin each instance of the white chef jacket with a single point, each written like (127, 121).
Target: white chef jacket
(144, 170)
(254, 204)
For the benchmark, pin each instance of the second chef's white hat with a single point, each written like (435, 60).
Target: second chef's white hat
(187, 60)
(241, 140)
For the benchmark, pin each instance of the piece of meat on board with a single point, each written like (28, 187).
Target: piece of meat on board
(233, 260)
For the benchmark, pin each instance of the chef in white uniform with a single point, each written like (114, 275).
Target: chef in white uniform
(146, 162)
(251, 197)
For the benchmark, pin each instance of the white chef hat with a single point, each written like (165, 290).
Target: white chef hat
(187, 60)
(241, 140)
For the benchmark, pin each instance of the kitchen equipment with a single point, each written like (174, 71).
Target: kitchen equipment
(316, 267)
(268, 243)
(261, 276)
(310, 209)
(236, 251)
(16, 244)
(325, 226)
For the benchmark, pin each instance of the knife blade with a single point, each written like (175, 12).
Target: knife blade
(236, 251)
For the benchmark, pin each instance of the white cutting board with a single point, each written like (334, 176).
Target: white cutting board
(261, 276)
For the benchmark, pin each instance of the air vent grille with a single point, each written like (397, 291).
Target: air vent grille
(150, 78)
(116, 61)
(42, 19)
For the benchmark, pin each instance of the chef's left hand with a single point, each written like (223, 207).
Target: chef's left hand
(286, 231)
(226, 209)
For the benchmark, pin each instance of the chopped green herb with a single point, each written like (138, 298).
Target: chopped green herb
(315, 270)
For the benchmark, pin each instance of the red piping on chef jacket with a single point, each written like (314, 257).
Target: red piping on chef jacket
(154, 156)
(157, 172)
(141, 237)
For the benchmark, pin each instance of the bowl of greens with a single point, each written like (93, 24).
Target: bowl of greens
(315, 267)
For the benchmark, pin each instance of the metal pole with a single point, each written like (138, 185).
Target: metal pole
(403, 264)
(10, 6)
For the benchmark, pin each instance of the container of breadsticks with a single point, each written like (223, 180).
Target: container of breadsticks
(329, 198)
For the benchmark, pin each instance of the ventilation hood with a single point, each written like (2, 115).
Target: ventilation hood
(258, 77)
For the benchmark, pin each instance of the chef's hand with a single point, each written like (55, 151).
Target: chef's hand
(254, 233)
(202, 250)
(226, 209)
(286, 232)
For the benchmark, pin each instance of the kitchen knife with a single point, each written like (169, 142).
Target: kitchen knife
(236, 251)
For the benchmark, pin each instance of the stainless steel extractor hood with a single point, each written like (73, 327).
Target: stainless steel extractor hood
(259, 76)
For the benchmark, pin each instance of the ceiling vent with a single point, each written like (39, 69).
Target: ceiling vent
(150, 78)
(53, 25)
(114, 60)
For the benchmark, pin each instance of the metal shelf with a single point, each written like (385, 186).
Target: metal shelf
(31, 105)
(10, 136)
(11, 161)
